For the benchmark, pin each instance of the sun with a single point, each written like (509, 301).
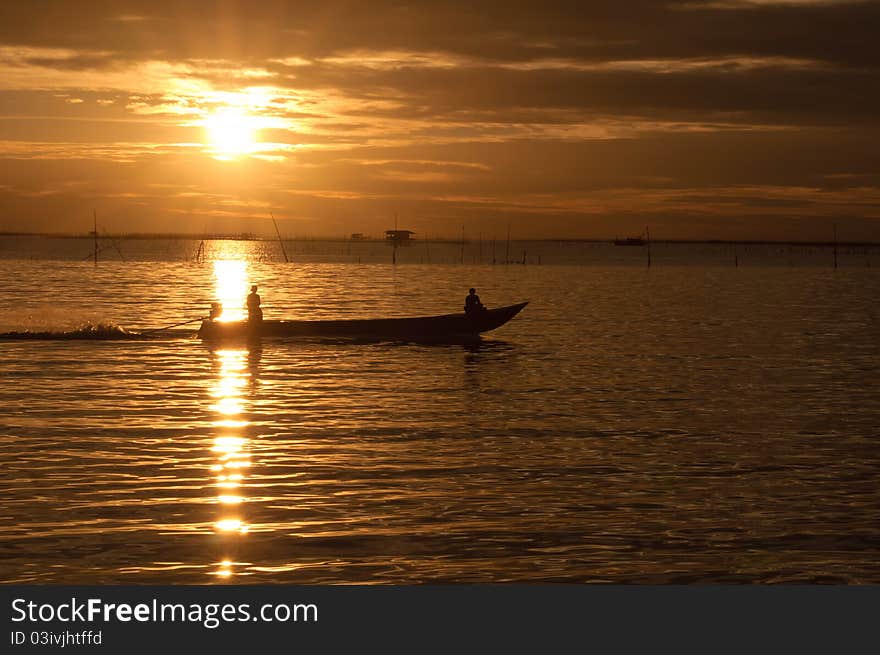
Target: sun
(231, 133)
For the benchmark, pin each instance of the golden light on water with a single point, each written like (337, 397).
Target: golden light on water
(224, 569)
(232, 525)
(230, 445)
(231, 289)
(227, 406)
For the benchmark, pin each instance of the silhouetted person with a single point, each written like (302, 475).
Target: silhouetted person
(253, 305)
(216, 310)
(472, 304)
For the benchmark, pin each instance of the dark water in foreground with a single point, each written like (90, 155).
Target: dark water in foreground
(687, 423)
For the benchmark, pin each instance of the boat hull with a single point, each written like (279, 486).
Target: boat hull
(425, 328)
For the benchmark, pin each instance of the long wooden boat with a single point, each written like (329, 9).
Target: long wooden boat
(423, 328)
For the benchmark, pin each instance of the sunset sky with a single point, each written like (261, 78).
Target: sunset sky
(723, 119)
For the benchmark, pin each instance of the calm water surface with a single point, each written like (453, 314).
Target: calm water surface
(694, 422)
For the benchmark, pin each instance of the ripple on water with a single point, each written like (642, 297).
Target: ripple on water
(627, 427)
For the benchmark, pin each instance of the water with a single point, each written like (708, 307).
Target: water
(692, 422)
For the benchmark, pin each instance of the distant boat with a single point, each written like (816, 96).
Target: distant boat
(630, 241)
(424, 328)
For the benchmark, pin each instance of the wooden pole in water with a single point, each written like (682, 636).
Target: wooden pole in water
(648, 238)
(493, 250)
(394, 242)
(116, 247)
(200, 253)
(835, 245)
(95, 234)
(278, 233)
(507, 252)
(461, 255)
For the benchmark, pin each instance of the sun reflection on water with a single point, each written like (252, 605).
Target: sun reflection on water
(230, 448)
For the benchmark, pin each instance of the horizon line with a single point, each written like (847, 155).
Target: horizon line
(248, 236)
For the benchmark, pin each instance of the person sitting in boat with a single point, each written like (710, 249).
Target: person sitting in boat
(253, 305)
(216, 310)
(472, 304)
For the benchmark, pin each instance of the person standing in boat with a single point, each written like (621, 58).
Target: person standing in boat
(255, 314)
(472, 304)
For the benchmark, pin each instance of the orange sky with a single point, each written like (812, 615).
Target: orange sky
(730, 119)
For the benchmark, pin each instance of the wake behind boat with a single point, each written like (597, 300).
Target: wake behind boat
(89, 332)
(448, 326)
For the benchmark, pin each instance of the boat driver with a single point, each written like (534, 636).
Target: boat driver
(253, 305)
(472, 304)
